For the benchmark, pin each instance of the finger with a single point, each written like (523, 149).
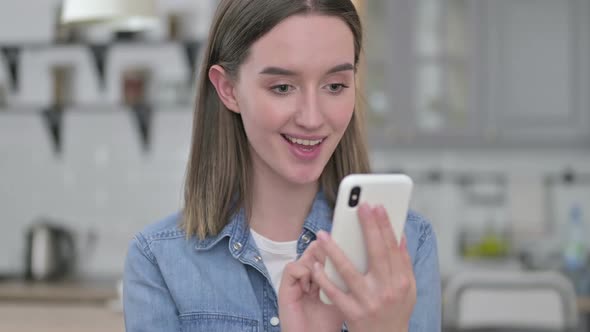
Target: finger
(305, 282)
(404, 250)
(377, 251)
(295, 272)
(313, 253)
(315, 288)
(406, 263)
(318, 253)
(305, 278)
(351, 276)
(345, 303)
(387, 231)
(398, 259)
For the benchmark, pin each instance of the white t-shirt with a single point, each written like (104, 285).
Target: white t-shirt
(275, 256)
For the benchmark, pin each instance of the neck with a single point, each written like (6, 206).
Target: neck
(279, 208)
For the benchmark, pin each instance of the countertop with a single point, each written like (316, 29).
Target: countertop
(66, 291)
(27, 317)
(80, 306)
(76, 306)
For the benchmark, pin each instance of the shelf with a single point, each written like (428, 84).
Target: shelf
(141, 115)
(12, 54)
(92, 108)
(46, 45)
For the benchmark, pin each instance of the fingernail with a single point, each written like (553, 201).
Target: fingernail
(380, 211)
(317, 266)
(364, 211)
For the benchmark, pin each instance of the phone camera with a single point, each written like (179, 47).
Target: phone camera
(354, 197)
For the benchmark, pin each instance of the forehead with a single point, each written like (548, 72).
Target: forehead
(304, 42)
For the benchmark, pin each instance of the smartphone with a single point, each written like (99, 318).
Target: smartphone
(392, 191)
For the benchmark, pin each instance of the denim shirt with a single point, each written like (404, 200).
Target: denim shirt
(220, 283)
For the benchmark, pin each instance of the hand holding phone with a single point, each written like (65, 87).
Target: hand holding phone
(392, 191)
(371, 278)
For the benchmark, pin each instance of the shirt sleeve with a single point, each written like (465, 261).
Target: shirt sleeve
(147, 303)
(427, 312)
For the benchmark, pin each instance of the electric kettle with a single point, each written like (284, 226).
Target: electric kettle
(50, 252)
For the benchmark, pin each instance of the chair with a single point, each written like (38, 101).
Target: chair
(509, 301)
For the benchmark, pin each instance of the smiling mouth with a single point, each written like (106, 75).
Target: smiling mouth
(305, 144)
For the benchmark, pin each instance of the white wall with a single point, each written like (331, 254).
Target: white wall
(102, 183)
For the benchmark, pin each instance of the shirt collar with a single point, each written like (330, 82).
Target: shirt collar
(319, 218)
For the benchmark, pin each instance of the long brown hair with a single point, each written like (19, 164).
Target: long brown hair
(219, 167)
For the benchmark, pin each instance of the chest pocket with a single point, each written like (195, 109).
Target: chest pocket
(214, 322)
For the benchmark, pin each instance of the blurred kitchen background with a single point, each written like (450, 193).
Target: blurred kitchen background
(484, 103)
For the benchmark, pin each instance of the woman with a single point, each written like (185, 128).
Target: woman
(274, 132)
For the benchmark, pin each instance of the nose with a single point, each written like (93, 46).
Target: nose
(309, 115)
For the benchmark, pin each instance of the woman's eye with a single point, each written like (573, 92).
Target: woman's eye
(281, 88)
(336, 87)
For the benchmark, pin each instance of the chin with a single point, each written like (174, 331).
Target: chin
(304, 179)
(304, 175)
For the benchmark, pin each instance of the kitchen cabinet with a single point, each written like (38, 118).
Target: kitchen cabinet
(537, 55)
(461, 73)
(422, 88)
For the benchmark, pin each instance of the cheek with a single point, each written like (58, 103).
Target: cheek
(264, 112)
(339, 112)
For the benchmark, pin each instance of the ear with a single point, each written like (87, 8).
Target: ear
(224, 87)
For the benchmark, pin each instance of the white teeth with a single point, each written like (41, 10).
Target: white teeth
(304, 141)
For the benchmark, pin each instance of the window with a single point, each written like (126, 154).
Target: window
(418, 67)
(441, 65)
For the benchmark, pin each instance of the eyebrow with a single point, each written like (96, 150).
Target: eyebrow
(287, 72)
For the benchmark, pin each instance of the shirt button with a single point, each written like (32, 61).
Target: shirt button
(257, 258)
(274, 321)
(305, 238)
(237, 246)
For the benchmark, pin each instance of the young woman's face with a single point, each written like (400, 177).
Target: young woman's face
(296, 95)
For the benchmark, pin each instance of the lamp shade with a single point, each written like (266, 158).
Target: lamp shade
(89, 11)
